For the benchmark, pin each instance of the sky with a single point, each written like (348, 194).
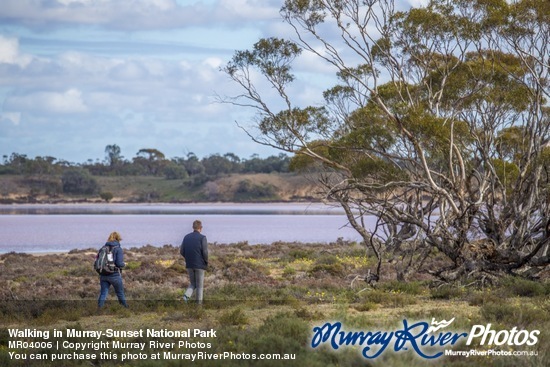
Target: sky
(78, 75)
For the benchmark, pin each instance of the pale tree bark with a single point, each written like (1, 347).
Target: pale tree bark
(438, 128)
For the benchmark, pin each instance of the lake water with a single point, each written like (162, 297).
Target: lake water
(48, 228)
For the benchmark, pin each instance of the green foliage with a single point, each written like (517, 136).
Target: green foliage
(278, 163)
(79, 181)
(480, 297)
(113, 156)
(523, 315)
(515, 286)
(296, 254)
(304, 160)
(217, 165)
(411, 287)
(233, 318)
(511, 143)
(288, 124)
(147, 162)
(272, 56)
(458, 130)
(107, 196)
(286, 325)
(507, 173)
(378, 169)
(446, 292)
(132, 265)
(329, 264)
(289, 271)
(390, 299)
(366, 306)
(249, 191)
(174, 171)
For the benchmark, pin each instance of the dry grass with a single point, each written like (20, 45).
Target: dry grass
(251, 292)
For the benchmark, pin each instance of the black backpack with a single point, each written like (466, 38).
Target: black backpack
(104, 263)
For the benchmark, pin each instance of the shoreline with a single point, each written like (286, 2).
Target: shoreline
(311, 207)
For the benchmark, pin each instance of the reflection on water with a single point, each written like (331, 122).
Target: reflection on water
(190, 208)
(85, 226)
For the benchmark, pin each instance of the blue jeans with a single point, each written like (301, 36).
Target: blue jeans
(116, 281)
(196, 282)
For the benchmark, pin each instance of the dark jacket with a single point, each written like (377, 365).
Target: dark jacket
(194, 248)
(118, 256)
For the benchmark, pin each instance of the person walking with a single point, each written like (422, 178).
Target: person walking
(114, 279)
(194, 248)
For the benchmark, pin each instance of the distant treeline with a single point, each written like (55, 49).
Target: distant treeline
(77, 177)
(148, 162)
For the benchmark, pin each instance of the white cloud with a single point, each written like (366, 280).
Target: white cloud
(213, 62)
(135, 14)
(129, 70)
(68, 102)
(83, 71)
(9, 52)
(250, 9)
(418, 3)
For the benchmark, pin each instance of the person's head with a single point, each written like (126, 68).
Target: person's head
(114, 236)
(197, 225)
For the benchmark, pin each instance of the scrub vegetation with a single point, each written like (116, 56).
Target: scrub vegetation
(263, 299)
(151, 177)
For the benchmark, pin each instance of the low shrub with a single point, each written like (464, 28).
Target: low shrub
(389, 299)
(327, 263)
(522, 314)
(516, 286)
(446, 292)
(479, 298)
(289, 272)
(233, 318)
(412, 287)
(366, 306)
(296, 254)
(132, 265)
(287, 325)
(306, 313)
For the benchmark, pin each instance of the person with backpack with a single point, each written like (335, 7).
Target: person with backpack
(194, 248)
(109, 264)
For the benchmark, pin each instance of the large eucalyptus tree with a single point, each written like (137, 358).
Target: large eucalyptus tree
(438, 125)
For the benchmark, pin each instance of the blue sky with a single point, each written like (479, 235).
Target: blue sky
(78, 75)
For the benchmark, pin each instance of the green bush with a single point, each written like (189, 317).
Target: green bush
(107, 196)
(132, 265)
(174, 171)
(366, 306)
(79, 181)
(296, 254)
(289, 271)
(446, 292)
(516, 286)
(247, 191)
(286, 325)
(479, 298)
(522, 314)
(327, 263)
(234, 318)
(389, 299)
(411, 287)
